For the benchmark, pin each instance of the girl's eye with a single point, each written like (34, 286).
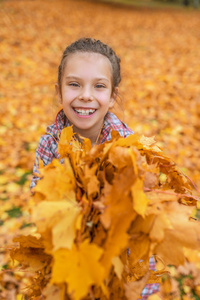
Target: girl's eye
(74, 84)
(100, 86)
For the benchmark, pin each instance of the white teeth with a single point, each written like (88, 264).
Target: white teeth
(84, 112)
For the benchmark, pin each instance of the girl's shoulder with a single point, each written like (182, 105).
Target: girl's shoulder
(47, 147)
(112, 122)
(55, 129)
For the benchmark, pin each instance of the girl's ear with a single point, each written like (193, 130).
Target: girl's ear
(58, 92)
(114, 97)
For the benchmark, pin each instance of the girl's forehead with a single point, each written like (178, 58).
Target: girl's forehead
(86, 55)
(92, 58)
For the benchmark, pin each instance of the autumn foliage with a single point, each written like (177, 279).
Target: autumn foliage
(124, 194)
(160, 90)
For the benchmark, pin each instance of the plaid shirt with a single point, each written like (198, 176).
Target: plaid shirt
(47, 151)
(47, 148)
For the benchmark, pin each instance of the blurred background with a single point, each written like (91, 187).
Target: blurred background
(158, 43)
(157, 3)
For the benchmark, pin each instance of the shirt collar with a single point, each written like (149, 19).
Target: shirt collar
(111, 122)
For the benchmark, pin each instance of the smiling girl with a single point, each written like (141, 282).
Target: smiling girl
(87, 87)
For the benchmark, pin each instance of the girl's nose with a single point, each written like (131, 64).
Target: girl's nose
(86, 95)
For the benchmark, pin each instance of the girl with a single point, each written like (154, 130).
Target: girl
(88, 79)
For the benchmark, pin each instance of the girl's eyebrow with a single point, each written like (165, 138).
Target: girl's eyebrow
(78, 78)
(72, 77)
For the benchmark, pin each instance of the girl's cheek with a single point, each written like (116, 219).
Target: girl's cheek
(70, 95)
(104, 97)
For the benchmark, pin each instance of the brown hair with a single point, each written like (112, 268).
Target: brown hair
(96, 46)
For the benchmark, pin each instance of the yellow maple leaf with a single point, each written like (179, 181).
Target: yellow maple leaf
(64, 142)
(58, 182)
(170, 249)
(140, 200)
(117, 239)
(63, 233)
(149, 143)
(79, 267)
(130, 140)
(118, 266)
(59, 217)
(117, 216)
(93, 185)
(186, 231)
(119, 157)
(113, 195)
(161, 222)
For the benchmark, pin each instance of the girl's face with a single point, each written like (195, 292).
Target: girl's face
(86, 92)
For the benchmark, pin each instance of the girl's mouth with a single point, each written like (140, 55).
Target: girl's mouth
(84, 111)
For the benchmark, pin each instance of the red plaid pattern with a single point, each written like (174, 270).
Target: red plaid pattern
(47, 151)
(150, 288)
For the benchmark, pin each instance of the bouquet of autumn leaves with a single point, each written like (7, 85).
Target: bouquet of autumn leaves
(100, 216)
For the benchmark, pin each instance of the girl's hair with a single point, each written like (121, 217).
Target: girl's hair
(96, 46)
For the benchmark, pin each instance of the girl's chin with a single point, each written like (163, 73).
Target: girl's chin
(85, 131)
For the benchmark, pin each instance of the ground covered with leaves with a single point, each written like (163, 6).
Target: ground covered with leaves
(159, 95)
